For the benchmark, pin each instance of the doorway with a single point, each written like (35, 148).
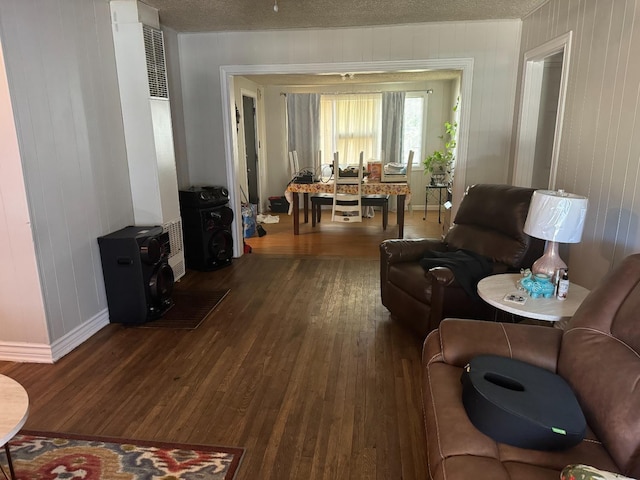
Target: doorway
(547, 118)
(228, 72)
(250, 147)
(544, 90)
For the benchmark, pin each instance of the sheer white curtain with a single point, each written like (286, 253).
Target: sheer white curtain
(303, 126)
(350, 124)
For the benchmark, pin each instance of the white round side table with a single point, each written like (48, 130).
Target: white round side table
(14, 410)
(494, 288)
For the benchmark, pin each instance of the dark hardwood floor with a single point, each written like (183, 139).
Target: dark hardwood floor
(300, 364)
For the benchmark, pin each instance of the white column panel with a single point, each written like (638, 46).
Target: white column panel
(165, 159)
(19, 278)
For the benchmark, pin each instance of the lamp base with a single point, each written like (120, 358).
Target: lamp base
(550, 262)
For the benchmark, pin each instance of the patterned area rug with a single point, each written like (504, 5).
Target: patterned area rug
(54, 456)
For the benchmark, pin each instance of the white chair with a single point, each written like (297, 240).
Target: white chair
(393, 171)
(395, 175)
(294, 164)
(347, 207)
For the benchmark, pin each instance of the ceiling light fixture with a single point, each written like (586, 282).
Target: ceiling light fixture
(275, 6)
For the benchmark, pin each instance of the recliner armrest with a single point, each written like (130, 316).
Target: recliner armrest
(408, 250)
(457, 341)
(443, 275)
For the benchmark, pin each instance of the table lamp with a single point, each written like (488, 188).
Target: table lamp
(557, 217)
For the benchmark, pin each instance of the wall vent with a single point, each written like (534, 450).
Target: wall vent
(156, 69)
(176, 259)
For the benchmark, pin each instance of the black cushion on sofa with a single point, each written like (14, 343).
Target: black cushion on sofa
(520, 404)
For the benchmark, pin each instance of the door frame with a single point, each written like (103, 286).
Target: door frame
(532, 73)
(227, 72)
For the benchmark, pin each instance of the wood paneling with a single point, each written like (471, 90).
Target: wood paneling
(61, 72)
(600, 151)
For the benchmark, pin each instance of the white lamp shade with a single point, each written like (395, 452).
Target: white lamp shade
(556, 216)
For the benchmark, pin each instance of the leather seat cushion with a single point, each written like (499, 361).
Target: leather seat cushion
(451, 434)
(410, 277)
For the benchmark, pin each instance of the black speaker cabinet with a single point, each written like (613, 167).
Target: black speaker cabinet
(208, 241)
(137, 277)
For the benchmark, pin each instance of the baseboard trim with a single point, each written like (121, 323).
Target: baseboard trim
(79, 335)
(25, 352)
(42, 353)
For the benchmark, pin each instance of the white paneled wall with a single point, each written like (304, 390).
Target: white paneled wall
(19, 279)
(494, 46)
(600, 151)
(60, 66)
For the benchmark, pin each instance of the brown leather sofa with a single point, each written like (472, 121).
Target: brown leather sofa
(598, 354)
(489, 222)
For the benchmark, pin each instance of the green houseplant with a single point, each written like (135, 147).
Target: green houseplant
(441, 162)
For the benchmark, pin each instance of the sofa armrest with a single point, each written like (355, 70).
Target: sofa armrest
(457, 341)
(409, 250)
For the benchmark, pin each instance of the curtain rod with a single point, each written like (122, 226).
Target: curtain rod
(428, 91)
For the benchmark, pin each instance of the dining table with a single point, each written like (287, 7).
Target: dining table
(400, 190)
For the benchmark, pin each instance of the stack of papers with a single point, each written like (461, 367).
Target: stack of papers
(395, 169)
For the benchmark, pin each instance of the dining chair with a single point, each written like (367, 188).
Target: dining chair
(347, 207)
(294, 164)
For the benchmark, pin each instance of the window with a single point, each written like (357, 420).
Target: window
(350, 124)
(414, 126)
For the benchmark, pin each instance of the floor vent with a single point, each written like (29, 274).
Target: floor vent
(176, 259)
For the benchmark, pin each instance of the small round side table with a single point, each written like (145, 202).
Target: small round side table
(494, 288)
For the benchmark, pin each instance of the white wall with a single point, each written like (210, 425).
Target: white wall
(549, 96)
(600, 151)
(172, 60)
(494, 46)
(277, 156)
(60, 65)
(244, 86)
(19, 279)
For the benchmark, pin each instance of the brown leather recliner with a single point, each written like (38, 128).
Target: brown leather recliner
(598, 354)
(489, 222)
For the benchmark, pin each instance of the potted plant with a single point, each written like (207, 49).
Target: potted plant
(441, 162)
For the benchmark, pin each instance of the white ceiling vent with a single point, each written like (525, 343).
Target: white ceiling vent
(156, 70)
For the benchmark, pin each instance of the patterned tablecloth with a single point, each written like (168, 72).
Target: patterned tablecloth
(402, 190)
(368, 188)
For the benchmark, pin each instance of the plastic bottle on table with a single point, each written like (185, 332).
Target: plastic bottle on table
(563, 285)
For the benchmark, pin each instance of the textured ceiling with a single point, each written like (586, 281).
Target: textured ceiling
(230, 15)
